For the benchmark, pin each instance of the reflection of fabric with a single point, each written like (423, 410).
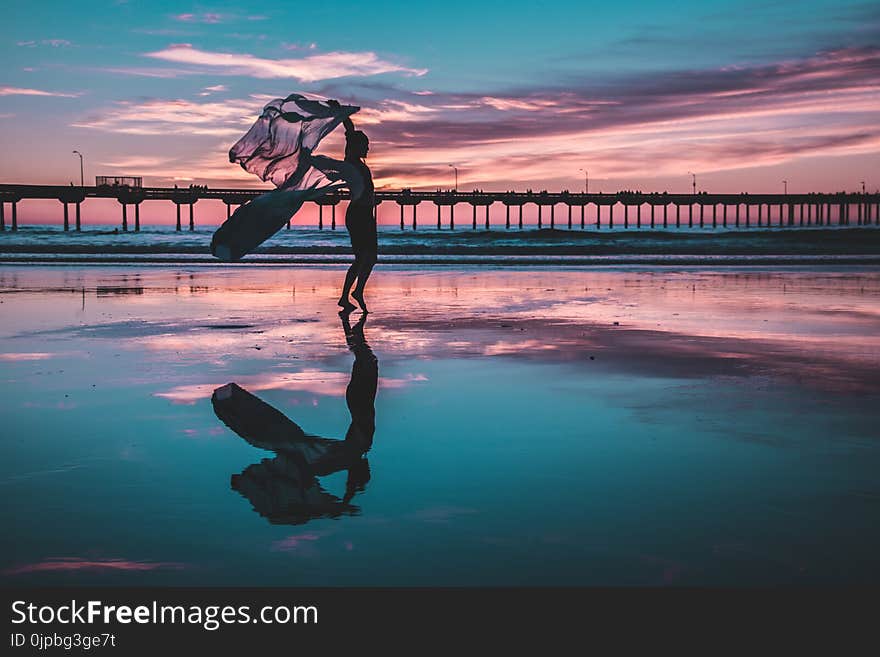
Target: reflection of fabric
(285, 489)
(279, 148)
(266, 427)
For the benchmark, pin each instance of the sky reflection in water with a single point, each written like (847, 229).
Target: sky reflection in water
(532, 426)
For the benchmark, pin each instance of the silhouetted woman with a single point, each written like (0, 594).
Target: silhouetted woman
(359, 220)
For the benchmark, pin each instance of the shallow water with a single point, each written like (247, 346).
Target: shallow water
(802, 240)
(532, 426)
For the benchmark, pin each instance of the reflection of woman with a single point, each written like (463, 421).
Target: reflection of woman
(359, 218)
(360, 395)
(285, 489)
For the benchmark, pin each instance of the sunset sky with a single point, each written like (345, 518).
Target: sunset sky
(516, 94)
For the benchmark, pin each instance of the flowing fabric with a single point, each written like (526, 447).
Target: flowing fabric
(279, 149)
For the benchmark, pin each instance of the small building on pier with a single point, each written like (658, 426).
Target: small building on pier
(119, 181)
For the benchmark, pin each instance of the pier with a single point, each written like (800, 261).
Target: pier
(579, 211)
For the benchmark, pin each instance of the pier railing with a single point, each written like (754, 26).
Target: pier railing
(578, 210)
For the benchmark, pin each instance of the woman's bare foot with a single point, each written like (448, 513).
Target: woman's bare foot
(359, 297)
(346, 305)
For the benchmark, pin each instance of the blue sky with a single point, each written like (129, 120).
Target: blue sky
(161, 88)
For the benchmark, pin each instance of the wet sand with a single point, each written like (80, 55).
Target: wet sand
(532, 426)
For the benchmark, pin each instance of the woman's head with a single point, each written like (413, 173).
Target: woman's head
(356, 144)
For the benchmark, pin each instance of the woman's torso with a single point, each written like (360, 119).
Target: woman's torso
(363, 205)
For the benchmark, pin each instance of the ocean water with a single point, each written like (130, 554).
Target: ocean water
(616, 426)
(464, 246)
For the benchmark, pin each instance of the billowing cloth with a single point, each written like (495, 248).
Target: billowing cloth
(279, 148)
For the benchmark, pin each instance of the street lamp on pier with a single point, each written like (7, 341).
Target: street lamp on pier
(455, 168)
(586, 181)
(785, 186)
(695, 182)
(82, 182)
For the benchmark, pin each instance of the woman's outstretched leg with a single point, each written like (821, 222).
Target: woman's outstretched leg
(363, 274)
(350, 277)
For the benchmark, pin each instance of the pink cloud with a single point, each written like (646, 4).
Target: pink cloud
(315, 381)
(68, 564)
(19, 91)
(147, 72)
(228, 118)
(214, 18)
(306, 69)
(54, 43)
(210, 18)
(27, 356)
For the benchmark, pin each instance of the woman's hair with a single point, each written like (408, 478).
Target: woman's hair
(355, 142)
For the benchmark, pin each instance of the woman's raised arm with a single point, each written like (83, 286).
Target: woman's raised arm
(347, 122)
